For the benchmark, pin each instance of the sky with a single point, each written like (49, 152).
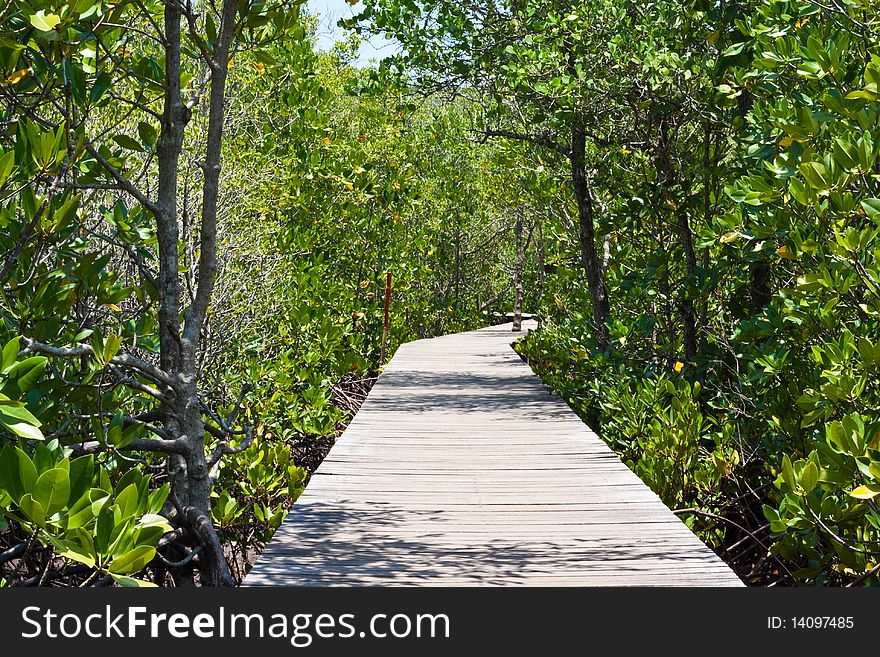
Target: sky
(331, 11)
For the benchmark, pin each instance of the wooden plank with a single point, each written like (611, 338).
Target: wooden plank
(461, 468)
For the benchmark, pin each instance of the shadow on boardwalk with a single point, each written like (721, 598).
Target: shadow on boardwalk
(464, 392)
(362, 542)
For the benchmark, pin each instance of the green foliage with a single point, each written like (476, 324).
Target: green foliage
(83, 130)
(17, 379)
(658, 422)
(73, 505)
(810, 197)
(256, 487)
(353, 181)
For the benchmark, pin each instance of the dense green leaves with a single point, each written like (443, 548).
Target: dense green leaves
(74, 508)
(90, 253)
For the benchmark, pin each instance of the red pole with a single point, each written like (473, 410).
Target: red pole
(387, 312)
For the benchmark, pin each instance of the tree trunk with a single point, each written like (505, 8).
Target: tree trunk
(189, 471)
(669, 178)
(685, 303)
(587, 235)
(539, 262)
(760, 291)
(175, 117)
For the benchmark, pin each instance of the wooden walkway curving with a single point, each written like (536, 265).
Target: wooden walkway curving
(461, 468)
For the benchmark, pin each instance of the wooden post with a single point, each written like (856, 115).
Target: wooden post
(387, 312)
(518, 271)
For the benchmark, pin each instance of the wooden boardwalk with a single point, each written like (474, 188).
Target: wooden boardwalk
(461, 468)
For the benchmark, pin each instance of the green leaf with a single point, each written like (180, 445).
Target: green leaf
(20, 422)
(25, 374)
(770, 513)
(871, 206)
(102, 83)
(800, 192)
(80, 553)
(32, 509)
(114, 430)
(133, 561)
(866, 152)
(127, 501)
(81, 513)
(27, 472)
(865, 95)
(43, 458)
(65, 213)
(810, 69)
(23, 430)
(82, 470)
(810, 477)
(816, 175)
(156, 500)
(45, 22)
(6, 164)
(125, 437)
(788, 472)
(128, 143)
(154, 520)
(866, 492)
(104, 529)
(131, 582)
(735, 49)
(846, 154)
(52, 490)
(111, 347)
(10, 480)
(10, 354)
(148, 135)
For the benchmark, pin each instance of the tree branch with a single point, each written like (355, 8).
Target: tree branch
(177, 446)
(124, 360)
(127, 421)
(225, 448)
(757, 540)
(26, 234)
(540, 140)
(14, 552)
(124, 182)
(197, 312)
